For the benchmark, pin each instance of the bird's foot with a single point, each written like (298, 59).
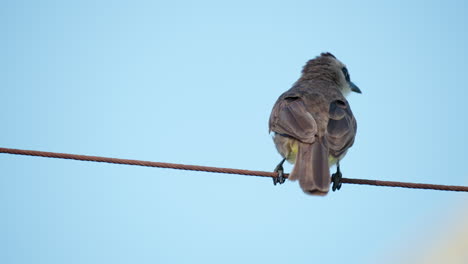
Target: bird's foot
(336, 179)
(280, 178)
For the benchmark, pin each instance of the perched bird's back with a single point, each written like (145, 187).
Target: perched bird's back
(313, 123)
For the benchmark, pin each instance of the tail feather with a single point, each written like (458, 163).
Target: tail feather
(311, 168)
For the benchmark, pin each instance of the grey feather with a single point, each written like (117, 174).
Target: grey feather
(315, 113)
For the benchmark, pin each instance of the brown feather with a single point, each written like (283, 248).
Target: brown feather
(311, 168)
(316, 114)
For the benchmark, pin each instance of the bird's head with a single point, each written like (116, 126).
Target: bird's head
(327, 67)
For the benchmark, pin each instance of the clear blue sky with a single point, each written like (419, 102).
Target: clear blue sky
(194, 83)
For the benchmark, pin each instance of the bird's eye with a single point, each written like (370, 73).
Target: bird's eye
(346, 74)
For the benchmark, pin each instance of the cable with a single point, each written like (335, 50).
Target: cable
(221, 170)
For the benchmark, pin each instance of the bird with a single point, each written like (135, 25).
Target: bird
(313, 126)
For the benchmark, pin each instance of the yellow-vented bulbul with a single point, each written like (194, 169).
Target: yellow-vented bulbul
(313, 123)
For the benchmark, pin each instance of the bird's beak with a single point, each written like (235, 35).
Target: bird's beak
(354, 88)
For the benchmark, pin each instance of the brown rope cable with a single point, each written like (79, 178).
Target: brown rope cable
(135, 162)
(426, 186)
(221, 170)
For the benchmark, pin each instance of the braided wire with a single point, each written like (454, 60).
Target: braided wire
(221, 170)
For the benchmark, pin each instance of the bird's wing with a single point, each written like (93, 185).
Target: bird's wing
(341, 128)
(290, 117)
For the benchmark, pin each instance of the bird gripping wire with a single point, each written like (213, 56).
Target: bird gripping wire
(221, 170)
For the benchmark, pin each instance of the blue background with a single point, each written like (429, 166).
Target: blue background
(194, 82)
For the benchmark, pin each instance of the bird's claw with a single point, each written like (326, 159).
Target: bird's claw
(336, 180)
(280, 178)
